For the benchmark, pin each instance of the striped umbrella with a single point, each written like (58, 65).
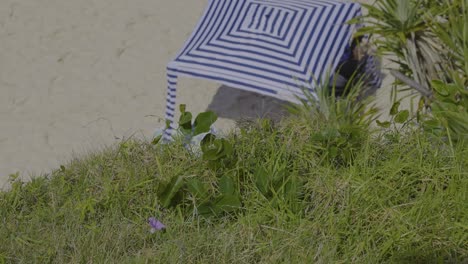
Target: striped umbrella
(271, 47)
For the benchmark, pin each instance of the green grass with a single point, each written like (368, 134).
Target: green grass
(315, 188)
(400, 198)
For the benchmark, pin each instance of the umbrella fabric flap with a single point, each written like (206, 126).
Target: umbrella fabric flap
(272, 47)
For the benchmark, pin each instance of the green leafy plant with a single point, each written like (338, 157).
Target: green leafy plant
(399, 118)
(225, 200)
(451, 109)
(214, 151)
(341, 123)
(450, 103)
(428, 40)
(168, 193)
(400, 29)
(201, 124)
(278, 185)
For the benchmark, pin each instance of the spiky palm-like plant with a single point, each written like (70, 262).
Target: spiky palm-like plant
(400, 30)
(428, 39)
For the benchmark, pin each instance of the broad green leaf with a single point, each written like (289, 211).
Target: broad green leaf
(197, 188)
(440, 107)
(228, 203)
(394, 109)
(171, 190)
(440, 87)
(205, 209)
(455, 89)
(402, 117)
(185, 122)
(213, 151)
(227, 185)
(182, 108)
(185, 117)
(227, 147)
(207, 141)
(385, 124)
(211, 147)
(204, 121)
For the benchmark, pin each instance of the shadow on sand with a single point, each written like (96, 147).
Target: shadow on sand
(236, 104)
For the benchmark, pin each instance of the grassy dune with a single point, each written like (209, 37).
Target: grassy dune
(321, 186)
(400, 197)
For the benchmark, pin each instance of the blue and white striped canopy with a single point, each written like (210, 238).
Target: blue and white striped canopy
(272, 47)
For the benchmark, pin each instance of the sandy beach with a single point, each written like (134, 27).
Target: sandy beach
(76, 76)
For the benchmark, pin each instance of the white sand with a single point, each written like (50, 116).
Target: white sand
(78, 75)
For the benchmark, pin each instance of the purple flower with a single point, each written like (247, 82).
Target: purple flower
(155, 224)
